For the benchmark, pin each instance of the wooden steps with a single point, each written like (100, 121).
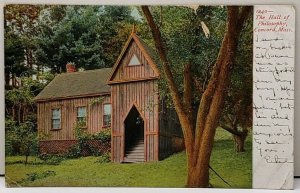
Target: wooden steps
(135, 153)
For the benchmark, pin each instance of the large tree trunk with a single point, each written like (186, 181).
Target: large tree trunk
(199, 136)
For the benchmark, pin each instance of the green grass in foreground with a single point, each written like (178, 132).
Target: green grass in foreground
(235, 168)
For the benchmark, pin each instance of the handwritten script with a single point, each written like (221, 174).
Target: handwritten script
(273, 86)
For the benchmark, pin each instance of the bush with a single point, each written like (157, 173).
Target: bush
(104, 136)
(104, 158)
(74, 152)
(83, 146)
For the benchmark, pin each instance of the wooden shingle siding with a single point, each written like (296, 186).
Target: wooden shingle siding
(68, 116)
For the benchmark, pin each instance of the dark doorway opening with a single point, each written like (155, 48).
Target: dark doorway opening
(134, 136)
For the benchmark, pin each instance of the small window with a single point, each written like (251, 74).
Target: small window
(81, 115)
(56, 118)
(134, 61)
(106, 115)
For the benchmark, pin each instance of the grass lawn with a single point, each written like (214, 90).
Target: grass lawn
(233, 167)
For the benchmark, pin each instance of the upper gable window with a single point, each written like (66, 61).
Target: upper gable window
(134, 61)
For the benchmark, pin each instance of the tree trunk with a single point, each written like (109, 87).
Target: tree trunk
(239, 141)
(19, 113)
(239, 137)
(197, 178)
(7, 79)
(26, 159)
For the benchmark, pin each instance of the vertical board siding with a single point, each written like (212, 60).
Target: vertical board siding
(170, 129)
(124, 96)
(68, 117)
(126, 72)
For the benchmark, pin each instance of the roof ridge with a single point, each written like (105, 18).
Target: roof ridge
(78, 72)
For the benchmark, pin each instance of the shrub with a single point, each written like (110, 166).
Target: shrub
(104, 136)
(74, 151)
(104, 158)
(83, 146)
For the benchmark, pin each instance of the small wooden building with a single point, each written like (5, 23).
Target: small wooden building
(67, 99)
(143, 128)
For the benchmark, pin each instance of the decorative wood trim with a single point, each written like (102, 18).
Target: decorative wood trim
(135, 38)
(117, 135)
(134, 53)
(120, 58)
(152, 133)
(73, 97)
(132, 80)
(147, 56)
(55, 129)
(137, 108)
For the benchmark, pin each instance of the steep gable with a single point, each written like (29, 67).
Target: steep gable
(135, 63)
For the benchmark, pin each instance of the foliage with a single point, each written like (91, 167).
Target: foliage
(83, 145)
(20, 29)
(234, 168)
(104, 158)
(89, 36)
(104, 136)
(96, 101)
(75, 151)
(23, 136)
(20, 106)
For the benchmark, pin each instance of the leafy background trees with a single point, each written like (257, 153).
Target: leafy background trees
(40, 40)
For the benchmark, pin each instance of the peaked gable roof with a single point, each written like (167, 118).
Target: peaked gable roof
(76, 84)
(148, 53)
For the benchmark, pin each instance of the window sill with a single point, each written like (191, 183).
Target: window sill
(55, 129)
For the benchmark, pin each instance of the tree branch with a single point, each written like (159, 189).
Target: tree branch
(231, 130)
(160, 47)
(187, 93)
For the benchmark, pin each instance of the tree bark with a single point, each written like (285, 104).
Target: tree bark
(239, 141)
(199, 136)
(239, 137)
